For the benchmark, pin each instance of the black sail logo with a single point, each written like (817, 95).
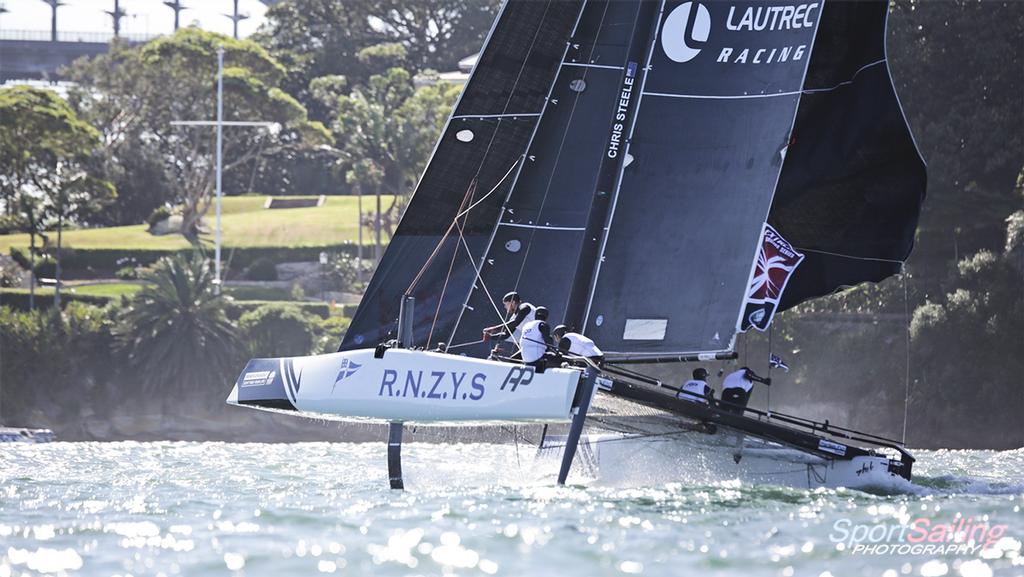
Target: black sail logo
(686, 31)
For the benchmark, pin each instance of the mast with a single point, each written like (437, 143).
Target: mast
(608, 185)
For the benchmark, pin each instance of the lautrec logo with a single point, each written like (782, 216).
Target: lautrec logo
(685, 32)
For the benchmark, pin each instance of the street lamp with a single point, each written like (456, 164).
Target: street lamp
(323, 276)
(220, 124)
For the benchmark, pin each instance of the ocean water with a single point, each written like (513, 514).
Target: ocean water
(199, 509)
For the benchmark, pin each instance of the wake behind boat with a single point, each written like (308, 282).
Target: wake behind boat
(662, 176)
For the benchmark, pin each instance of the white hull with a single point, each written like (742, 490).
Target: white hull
(407, 386)
(698, 458)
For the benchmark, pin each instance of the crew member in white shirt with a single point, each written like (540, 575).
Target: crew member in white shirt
(510, 331)
(576, 344)
(736, 389)
(696, 390)
(536, 339)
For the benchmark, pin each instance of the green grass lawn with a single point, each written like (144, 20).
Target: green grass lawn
(99, 290)
(245, 223)
(241, 293)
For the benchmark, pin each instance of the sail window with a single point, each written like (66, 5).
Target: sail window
(464, 135)
(578, 85)
(513, 245)
(645, 330)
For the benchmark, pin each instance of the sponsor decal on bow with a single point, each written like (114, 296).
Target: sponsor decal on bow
(776, 262)
(258, 378)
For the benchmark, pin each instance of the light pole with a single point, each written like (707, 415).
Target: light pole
(359, 227)
(236, 17)
(117, 14)
(220, 152)
(54, 4)
(177, 7)
(323, 276)
(220, 124)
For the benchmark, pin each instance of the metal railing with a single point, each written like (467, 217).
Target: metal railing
(90, 37)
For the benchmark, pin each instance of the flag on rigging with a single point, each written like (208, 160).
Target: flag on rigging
(776, 262)
(776, 362)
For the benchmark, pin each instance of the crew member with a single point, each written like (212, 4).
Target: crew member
(536, 339)
(519, 313)
(576, 344)
(696, 390)
(736, 389)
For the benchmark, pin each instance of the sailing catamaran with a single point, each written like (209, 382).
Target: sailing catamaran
(662, 175)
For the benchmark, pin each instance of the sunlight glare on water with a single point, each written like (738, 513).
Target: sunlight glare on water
(470, 509)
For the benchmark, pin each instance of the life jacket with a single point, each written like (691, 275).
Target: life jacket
(737, 380)
(694, 391)
(534, 344)
(582, 346)
(525, 313)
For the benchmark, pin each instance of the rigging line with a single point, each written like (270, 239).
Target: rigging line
(845, 82)
(415, 281)
(906, 376)
(479, 278)
(850, 256)
(771, 331)
(558, 154)
(440, 298)
(451, 265)
(459, 346)
(489, 192)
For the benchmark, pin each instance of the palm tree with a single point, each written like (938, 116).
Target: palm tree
(175, 330)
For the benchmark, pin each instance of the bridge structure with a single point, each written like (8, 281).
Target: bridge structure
(39, 55)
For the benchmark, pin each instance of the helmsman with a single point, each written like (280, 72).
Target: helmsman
(519, 313)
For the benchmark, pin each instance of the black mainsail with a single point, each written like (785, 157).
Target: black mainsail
(854, 181)
(618, 161)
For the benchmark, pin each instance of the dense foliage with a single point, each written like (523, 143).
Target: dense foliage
(173, 348)
(134, 94)
(176, 332)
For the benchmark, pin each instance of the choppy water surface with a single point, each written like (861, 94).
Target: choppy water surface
(200, 509)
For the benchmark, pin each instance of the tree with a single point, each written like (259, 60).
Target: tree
(278, 330)
(46, 148)
(74, 196)
(385, 131)
(135, 93)
(315, 38)
(175, 331)
(957, 66)
(436, 33)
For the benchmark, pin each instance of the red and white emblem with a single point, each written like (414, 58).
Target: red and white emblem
(776, 262)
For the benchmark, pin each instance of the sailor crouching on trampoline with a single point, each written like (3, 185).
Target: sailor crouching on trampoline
(736, 389)
(536, 340)
(577, 345)
(697, 389)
